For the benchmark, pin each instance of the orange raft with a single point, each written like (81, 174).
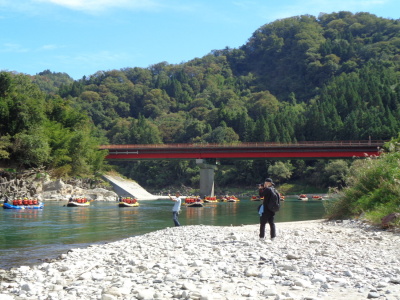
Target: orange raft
(23, 204)
(210, 199)
(255, 198)
(193, 202)
(128, 202)
(229, 199)
(303, 197)
(80, 201)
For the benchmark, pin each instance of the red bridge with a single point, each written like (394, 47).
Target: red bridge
(310, 150)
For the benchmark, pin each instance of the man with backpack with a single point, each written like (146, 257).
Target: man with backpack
(268, 208)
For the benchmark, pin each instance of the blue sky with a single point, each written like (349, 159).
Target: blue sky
(81, 37)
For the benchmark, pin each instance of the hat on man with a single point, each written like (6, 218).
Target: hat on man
(269, 180)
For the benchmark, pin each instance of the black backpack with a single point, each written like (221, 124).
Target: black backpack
(274, 203)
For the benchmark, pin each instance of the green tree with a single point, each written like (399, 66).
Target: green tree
(31, 148)
(171, 126)
(4, 146)
(261, 131)
(143, 131)
(22, 104)
(84, 150)
(336, 172)
(221, 135)
(281, 171)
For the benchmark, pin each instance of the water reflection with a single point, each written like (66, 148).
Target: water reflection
(126, 211)
(296, 210)
(25, 213)
(77, 215)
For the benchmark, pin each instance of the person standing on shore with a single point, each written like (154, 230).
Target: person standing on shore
(266, 215)
(177, 207)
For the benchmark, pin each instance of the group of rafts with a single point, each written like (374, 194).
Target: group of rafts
(256, 198)
(26, 203)
(197, 201)
(302, 197)
(122, 202)
(190, 201)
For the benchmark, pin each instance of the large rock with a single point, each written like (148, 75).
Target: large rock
(58, 190)
(53, 185)
(101, 194)
(37, 184)
(389, 219)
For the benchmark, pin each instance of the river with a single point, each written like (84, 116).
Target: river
(31, 236)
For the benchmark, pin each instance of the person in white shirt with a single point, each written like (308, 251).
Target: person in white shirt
(177, 207)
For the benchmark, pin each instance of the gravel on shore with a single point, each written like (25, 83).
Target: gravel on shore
(308, 260)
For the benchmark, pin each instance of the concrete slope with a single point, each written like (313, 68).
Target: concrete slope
(125, 187)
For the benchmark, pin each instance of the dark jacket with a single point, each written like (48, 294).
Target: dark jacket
(266, 193)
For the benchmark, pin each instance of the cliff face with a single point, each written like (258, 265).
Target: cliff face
(21, 184)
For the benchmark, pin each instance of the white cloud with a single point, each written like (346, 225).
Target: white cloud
(102, 5)
(13, 47)
(49, 47)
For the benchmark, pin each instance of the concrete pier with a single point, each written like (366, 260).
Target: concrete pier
(206, 178)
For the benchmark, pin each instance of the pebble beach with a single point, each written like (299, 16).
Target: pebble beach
(308, 260)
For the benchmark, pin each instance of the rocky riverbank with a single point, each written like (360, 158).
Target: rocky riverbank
(308, 260)
(34, 184)
(38, 185)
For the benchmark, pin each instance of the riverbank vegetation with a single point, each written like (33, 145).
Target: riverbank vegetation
(305, 78)
(372, 188)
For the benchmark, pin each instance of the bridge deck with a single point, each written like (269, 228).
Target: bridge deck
(324, 149)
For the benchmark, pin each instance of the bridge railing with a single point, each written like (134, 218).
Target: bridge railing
(377, 143)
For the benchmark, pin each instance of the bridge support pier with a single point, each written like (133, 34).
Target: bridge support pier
(206, 178)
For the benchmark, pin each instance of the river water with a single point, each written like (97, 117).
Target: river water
(30, 236)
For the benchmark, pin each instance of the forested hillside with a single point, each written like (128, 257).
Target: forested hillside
(43, 130)
(331, 77)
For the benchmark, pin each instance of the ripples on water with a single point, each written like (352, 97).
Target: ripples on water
(29, 236)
